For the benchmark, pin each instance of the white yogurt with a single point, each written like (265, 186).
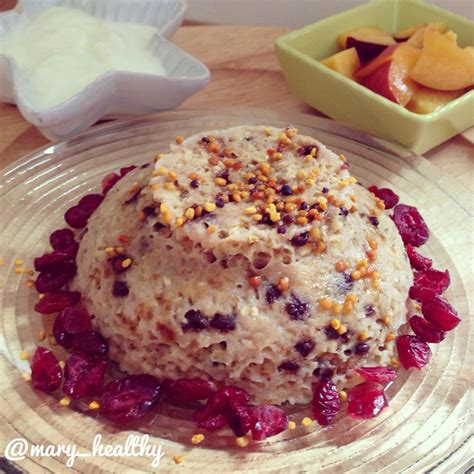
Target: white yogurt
(62, 50)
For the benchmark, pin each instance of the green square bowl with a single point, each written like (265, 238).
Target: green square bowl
(343, 99)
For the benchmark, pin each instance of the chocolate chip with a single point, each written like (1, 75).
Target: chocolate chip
(223, 322)
(286, 190)
(148, 210)
(306, 150)
(323, 372)
(305, 346)
(345, 283)
(331, 333)
(289, 366)
(343, 211)
(300, 239)
(325, 190)
(194, 183)
(361, 348)
(120, 289)
(369, 310)
(272, 294)
(296, 308)
(158, 226)
(195, 321)
(374, 221)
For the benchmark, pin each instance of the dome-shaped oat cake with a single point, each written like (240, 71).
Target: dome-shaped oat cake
(249, 256)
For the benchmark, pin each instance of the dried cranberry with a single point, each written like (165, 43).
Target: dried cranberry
(77, 217)
(227, 395)
(411, 226)
(272, 294)
(46, 373)
(188, 390)
(90, 202)
(109, 181)
(52, 280)
(300, 239)
(296, 308)
(440, 314)
(425, 330)
(389, 198)
(223, 322)
(266, 421)
(412, 351)
(83, 376)
(377, 374)
(289, 366)
(129, 398)
(418, 261)
(326, 402)
(213, 422)
(63, 241)
(71, 321)
(218, 406)
(429, 283)
(126, 169)
(120, 289)
(305, 347)
(57, 301)
(91, 342)
(195, 321)
(50, 261)
(366, 400)
(238, 419)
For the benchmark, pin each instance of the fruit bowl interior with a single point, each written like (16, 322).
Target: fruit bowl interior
(427, 421)
(343, 99)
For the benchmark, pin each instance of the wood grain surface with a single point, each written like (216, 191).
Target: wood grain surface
(244, 72)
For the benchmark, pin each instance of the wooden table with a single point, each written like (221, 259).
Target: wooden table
(244, 72)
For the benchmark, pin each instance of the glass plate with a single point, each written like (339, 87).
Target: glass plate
(426, 426)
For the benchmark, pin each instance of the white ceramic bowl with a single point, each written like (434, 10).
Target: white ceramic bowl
(114, 93)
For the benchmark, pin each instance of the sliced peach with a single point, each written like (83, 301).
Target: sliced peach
(367, 34)
(404, 53)
(417, 38)
(368, 49)
(425, 100)
(345, 62)
(391, 78)
(443, 65)
(452, 36)
(403, 35)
